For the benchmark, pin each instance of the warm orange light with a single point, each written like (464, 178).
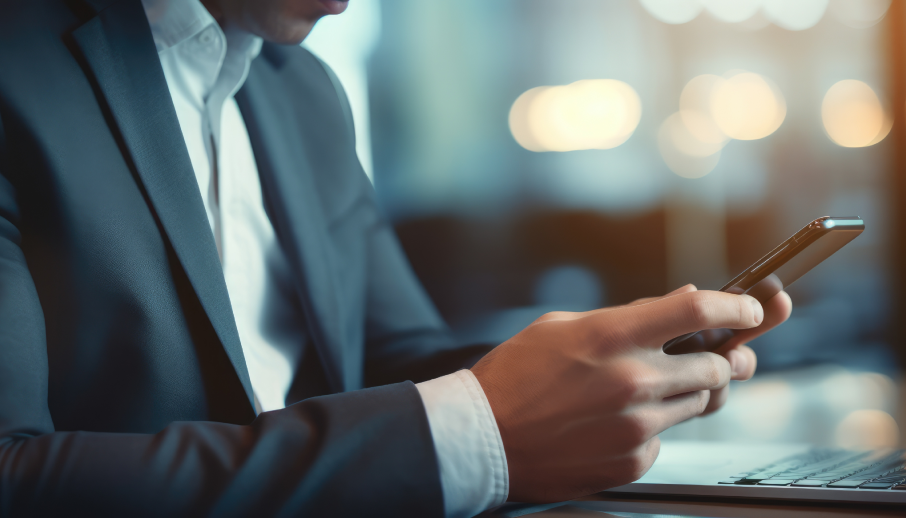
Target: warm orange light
(588, 114)
(747, 107)
(853, 116)
(865, 429)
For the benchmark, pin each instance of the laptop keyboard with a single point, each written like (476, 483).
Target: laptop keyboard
(824, 468)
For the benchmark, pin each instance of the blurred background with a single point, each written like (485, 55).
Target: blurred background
(537, 155)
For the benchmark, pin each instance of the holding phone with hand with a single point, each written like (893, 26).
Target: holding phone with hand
(781, 267)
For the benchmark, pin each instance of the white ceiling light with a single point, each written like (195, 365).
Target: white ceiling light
(732, 11)
(673, 11)
(795, 15)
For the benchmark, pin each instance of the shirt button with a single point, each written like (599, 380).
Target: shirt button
(207, 37)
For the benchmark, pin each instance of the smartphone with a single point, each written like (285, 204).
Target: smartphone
(778, 269)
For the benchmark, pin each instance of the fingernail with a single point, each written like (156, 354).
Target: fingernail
(759, 311)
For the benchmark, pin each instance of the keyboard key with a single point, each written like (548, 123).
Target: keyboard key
(888, 479)
(809, 482)
(877, 485)
(777, 482)
(847, 482)
(758, 477)
(830, 468)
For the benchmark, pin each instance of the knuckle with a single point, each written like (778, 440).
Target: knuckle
(712, 374)
(635, 385)
(552, 315)
(700, 309)
(636, 429)
(636, 465)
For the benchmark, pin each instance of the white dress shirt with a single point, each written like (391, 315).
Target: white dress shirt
(205, 66)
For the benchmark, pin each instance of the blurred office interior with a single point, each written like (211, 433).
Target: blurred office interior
(537, 155)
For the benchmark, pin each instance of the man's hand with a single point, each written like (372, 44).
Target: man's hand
(579, 398)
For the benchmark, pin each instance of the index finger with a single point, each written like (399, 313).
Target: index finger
(658, 321)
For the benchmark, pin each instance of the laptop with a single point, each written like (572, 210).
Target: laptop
(773, 472)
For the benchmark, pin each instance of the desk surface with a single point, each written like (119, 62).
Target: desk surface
(601, 506)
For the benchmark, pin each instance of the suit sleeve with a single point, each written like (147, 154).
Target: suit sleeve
(406, 338)
(362, 453)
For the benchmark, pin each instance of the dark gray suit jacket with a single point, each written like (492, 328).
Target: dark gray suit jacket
(123, 387)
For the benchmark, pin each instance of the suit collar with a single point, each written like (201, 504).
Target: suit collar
(99, 5)
(119, 52)
(275, 54)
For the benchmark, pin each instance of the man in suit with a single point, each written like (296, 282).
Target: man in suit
(202, 311)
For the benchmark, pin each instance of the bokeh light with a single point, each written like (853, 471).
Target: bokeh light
(587, 114)
(795, 15)
(519, 119)
(769, 408)
(673, 11)
(877, 389)
(866, 429)
(859, 13)
(842, 391)
(747, 107)
(853, 116)
(732, 11)
(684, 154)
(695, 109)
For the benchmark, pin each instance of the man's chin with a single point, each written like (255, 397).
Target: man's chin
(288, 34)
(335, 6)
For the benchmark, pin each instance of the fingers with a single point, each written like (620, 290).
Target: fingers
(691, 372)
(645, 457)
(656, 322)
(717, 399)
(776, 311)
(661, 415)
(742, 361)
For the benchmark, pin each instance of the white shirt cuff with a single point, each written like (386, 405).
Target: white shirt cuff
(473, 470)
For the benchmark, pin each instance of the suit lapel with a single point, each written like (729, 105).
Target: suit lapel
(286, 171)
(118, 48)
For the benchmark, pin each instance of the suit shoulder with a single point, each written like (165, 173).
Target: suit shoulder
(301, 67)
(297, 61)
(32, 32)
(20, 18)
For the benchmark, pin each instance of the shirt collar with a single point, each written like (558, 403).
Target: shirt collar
(174, 21)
